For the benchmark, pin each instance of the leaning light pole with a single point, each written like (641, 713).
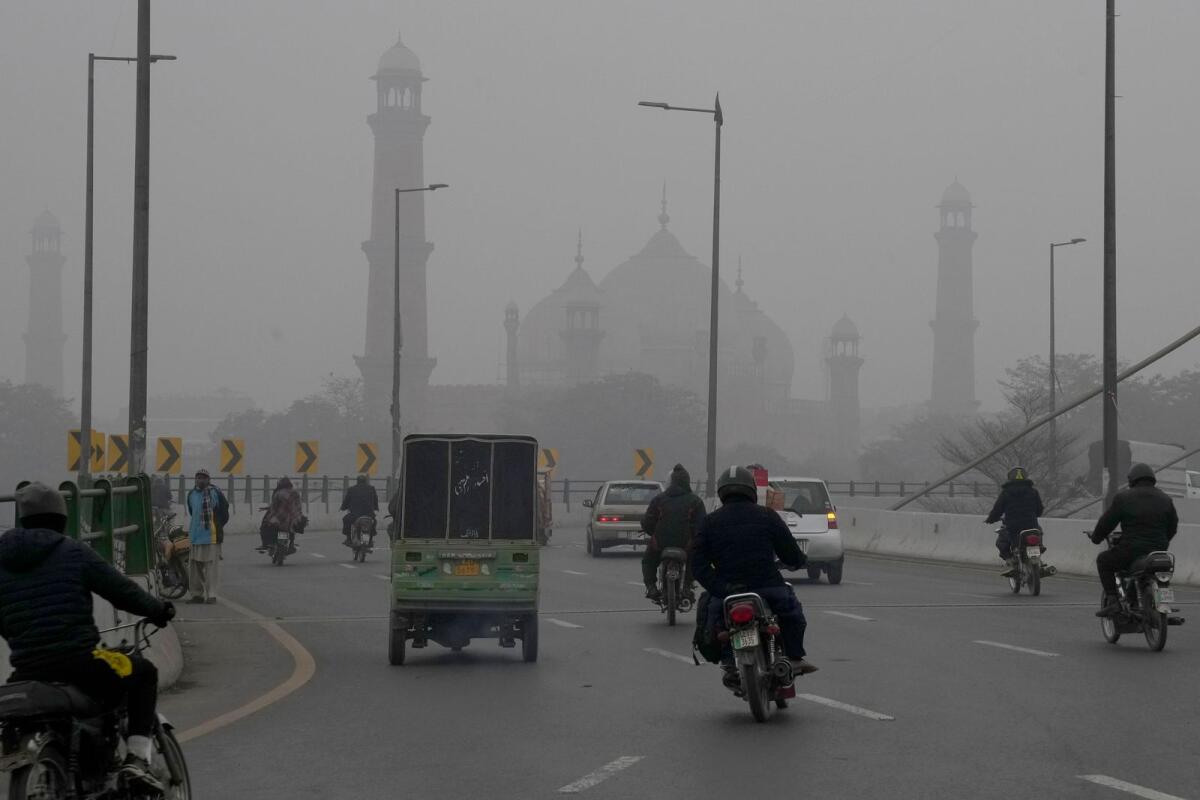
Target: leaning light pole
(714, 296)
(1053, 370)
(398, 333)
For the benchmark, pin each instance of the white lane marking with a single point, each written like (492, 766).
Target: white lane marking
(968, 594)
(383, 577)
(562, 623)
(1131, 788)
(348, 566)
(1031, 651)
(316, 555)
(848, 616)
(840, 706)
(573, 572)
(668, 654)
(600, 775)
(857, 583)
(634, 583)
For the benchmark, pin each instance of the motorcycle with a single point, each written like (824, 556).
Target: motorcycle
(1028, 567)
(283, 543)
(753, 633)
(172, 547)
(362, 537)
(1145, 594)
(671, 596)
(57, 742)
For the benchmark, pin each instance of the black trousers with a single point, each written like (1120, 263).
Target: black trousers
(650, 562)
(1110, 562)
(95, 678)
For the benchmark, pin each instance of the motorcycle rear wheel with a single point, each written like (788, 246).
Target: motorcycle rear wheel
(1108, 625)
(1154, 624)
(44, 779)
(1014, 584)
(670, 600)
(1035, 579)
(754, 684)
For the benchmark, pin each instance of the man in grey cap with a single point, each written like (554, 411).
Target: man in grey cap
(46, 586)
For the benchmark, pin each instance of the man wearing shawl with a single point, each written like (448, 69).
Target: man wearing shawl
(209, 511)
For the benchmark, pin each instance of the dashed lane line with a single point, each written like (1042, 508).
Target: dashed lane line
(562, 623)
(634, 583)
(1131, 788)
(849, 616)
(317, 555)
(383, 577)
(1028, 650)
(600, 775)
(573, 572)
(840, 706)
(348, 566)
(668, 654)
(857, 583)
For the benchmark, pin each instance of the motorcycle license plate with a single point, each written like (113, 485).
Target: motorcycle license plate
(1164, 595)
(743, 639)
(466, 568)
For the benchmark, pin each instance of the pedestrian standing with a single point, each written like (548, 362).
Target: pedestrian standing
(209, 511)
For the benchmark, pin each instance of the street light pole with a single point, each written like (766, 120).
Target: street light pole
(85, 393)
(397, 331)
(1110, 255)
(1053, 370)
(139, 343)
(714, 292)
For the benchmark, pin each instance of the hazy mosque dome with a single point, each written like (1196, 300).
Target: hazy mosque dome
(46, 221)
(956, 195)
(399, 58)
(845, 330)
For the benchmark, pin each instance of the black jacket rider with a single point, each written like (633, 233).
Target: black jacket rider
(738, 545)
(1019, 504)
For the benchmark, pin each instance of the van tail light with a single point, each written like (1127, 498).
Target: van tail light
(741, 614)
(831, 520)
(1033, 540)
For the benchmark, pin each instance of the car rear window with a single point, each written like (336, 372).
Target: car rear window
(805, 497)
(630, 494)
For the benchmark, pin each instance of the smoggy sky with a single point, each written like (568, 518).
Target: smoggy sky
(845, 120)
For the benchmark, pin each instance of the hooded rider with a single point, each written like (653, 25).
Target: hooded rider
(360, 500)
(1019, 505)
(1148, 521)
(671, 519)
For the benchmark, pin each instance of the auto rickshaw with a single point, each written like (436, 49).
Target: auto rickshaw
(465, 556)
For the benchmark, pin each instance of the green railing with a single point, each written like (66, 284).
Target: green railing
(113, 516)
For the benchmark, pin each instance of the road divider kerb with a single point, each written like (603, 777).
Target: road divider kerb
(600, 775)
(303, 669)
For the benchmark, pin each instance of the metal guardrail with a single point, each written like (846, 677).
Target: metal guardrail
(113, 516)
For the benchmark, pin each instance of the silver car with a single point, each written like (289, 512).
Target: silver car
(616, 514)
(812, 518)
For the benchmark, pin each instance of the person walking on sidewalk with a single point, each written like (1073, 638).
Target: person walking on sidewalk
(209, 512)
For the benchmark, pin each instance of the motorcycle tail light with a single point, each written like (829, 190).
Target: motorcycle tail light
(1162, 577)
(1033, 540)
(742, 614)
(831, 521)
(773, 630)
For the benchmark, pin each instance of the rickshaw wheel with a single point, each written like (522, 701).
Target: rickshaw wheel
(396, 644)
(529, 638)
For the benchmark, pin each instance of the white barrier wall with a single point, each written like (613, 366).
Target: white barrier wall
(967, 540)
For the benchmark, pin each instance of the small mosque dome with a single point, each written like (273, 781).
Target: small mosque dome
(399, 58)
(956, 195)
(46, 222)
(845, 330)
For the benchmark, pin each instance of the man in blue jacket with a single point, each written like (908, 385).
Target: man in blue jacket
(46, 586)
(209, 511)
(736, 550)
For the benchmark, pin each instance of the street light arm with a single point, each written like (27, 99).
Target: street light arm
(667, 107)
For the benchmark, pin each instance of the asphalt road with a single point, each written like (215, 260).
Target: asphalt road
(935, 682)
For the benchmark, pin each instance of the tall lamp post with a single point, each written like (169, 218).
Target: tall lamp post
(397, 334)
(85, 393)
(718, 120)
(1053, 371)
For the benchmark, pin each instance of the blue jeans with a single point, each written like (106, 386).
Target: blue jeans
(788, 612)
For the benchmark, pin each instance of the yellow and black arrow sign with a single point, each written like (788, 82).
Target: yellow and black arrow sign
(307, 457)
(168, 455)
(643, 462)
(233, 452)
(368, 458)
(547, 459)
(118, 453)
(96, 462)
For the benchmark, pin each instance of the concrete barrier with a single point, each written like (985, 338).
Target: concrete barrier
(165, 651)
(967, 540)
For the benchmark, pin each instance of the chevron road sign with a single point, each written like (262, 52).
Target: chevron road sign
(233, 456)
(307, 457)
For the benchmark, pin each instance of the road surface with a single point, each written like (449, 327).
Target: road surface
(935, 682)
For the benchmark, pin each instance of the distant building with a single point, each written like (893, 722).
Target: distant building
(844, 363)
(954, 322)
(44, 339)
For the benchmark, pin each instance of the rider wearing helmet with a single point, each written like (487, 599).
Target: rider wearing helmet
(1019, 505)
(46, 586)
(736, 550)
(1148, 523)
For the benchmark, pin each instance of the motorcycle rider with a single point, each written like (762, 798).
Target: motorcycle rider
(735, 550)
(46, 586)
(1020, 505)
(360, 500)
(671, 520)
(1148, 521)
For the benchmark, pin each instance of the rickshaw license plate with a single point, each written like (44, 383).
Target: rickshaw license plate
(743, 639)
(1164, 595)
(466, 568)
